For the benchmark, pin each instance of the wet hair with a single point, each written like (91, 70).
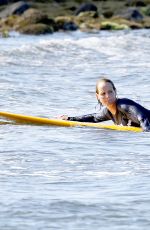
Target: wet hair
(97, 88)
(105, 80)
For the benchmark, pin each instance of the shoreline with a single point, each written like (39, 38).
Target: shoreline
(38, 18)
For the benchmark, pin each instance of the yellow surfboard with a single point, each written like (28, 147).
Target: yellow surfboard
(24, 119)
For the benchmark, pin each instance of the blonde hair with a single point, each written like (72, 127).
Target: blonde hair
(104, 80)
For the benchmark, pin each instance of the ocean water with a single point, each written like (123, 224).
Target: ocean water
(72, 178)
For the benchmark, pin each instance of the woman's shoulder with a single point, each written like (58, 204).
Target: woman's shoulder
(126, 103)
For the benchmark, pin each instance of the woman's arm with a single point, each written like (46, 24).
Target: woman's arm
(84, 118)
(103, 115)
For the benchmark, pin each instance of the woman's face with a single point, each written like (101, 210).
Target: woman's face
(106, 94)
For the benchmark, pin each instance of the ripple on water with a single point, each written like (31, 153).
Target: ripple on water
(72, 178)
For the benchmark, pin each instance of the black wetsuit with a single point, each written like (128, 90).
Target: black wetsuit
(128, 113)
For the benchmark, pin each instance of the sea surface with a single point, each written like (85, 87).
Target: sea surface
(73, 178)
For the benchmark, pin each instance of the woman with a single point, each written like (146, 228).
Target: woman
(121, 111)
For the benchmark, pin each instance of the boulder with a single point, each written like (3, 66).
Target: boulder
(36, 29)
(7, 24)
(108, 13)
(132, 14)
(17, 8)
(36, 16)
(66, 23)
(86, 21)
(33, 17)
(146, 11)
(146, 23)
(69, 26)
(138, 3)
(109, 25)
(85, 16)
(90, 27)
(130, 24)
(86, 7)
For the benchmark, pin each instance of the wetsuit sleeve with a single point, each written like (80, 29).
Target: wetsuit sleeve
(103, 115)
(145, 124)
(144, 121)
(135, 113)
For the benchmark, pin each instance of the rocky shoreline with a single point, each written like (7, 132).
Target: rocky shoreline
(41, 17)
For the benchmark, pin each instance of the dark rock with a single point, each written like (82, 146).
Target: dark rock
(69, 26)
(132, 14)
(7, 1)
(15, 8)
(3, 2)
(66, 23)
(108, 14)
(86, 7)
(72, 8)
(59, 1)
(138, 3)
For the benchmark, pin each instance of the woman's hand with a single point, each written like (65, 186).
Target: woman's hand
(62, 117)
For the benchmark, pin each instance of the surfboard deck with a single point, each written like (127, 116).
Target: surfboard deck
(32, 120)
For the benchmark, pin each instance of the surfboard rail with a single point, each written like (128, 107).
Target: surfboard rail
(25, 119)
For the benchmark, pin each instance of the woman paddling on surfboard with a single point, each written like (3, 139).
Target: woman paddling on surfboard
(121, 111)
